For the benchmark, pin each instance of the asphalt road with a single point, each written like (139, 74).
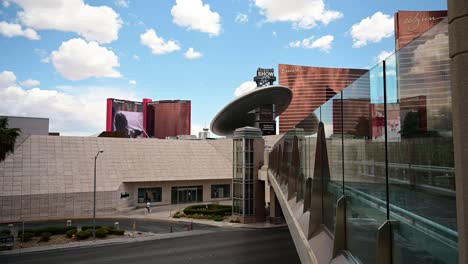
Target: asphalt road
(226, 246)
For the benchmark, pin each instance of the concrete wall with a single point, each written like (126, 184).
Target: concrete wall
(458, 26)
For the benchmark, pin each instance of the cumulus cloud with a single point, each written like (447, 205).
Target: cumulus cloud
(7, 78)
(195, 15)
(241, 18)
(274, 34)
(302, 13)
(77, 59)
(6, 3)
(132, 82)
(244, 88)
(323, 43)
(383, 55)
(433, 50)
(30, 83)
(69, 113)
(14, 30)
(136, 57)
(97, 23)
(122, 3)
(372, 29)
(158, 45)
(192, 54)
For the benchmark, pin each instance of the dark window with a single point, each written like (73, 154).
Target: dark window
(186, 194)
(152, 195)
(220, 190)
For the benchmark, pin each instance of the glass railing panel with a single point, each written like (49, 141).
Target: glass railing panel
(421, 164)
(364, 154)
(331, 160)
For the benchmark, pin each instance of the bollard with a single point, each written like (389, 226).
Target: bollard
(116, 225)
(134, 227)
(69, 223)
(170, 229)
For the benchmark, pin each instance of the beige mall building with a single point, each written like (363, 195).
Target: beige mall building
(51, 177)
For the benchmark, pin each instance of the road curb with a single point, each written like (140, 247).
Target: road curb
(113, 241)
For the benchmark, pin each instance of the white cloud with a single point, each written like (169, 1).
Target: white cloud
(98, 23)
(324, 43)
(77, 59)
(6, 3)
(274, 34)
(383, 55)
(132, 82)
(43, 54)
(241, 18)
(244, 88)
(372, 29)
(14, 30)
(69, 113)
(158, 45)
(7, 78)
(136, 57)
(30, 83)
(433, 50)
(194, 15)
(302, 13)
(122, 3)
(192, 54)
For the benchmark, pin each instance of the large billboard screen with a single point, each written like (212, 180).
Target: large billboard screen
(125, 116)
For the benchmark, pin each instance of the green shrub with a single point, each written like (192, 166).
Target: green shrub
(69, 228)
(71, 232)
(27, 236)
(209, 209)
(101, 232)
(5, 232)
(235, 220)
(84, 228)
(218, 218)
(118, 232)
(54, 230)
(29, 230)
(45, 236)
(82, 235)
(176, 216)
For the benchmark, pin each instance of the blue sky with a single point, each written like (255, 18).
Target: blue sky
(62, 59)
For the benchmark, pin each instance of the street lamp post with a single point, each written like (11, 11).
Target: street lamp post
(94, 207)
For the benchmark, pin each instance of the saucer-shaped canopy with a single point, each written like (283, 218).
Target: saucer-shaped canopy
(235, 114)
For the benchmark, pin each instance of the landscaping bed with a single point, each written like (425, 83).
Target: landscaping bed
(215, 212)
(52, 235)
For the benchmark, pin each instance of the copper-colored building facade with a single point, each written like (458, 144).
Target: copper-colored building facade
(311, 86)
(170, 118)
(410, 24)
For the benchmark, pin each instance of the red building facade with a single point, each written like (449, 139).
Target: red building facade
(311, 86)
(410, 24)
(170, 118)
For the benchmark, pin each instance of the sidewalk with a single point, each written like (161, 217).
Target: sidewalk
(165, 212)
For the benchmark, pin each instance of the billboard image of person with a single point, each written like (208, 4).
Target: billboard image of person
(125, 116)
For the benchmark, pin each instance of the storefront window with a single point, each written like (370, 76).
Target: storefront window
(220, 191)
(153, 195)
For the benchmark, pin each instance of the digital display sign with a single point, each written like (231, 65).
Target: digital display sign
(126, 116)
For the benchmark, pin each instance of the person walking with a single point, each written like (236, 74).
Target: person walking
(148, 206)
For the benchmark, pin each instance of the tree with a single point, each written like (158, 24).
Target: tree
(7, 138)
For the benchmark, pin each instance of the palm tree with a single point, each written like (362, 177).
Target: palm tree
(7, 138)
